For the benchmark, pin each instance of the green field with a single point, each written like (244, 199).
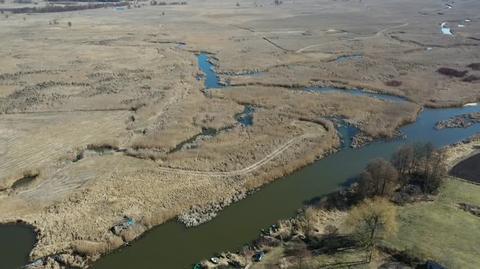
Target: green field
(441, 231)
(437, 230)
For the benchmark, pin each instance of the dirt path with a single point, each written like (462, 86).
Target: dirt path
(377, 34)
(62, 182)
(242, 171)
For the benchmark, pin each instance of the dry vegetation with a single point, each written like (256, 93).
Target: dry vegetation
(125, 84)
(379, 119)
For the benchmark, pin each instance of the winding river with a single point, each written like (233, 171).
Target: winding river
(172, 246)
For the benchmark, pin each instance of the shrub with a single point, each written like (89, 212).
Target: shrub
(471, 78)
(474, 66)
(452, 72)
(393, 83)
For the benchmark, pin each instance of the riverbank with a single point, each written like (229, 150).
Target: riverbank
(276, 200)
(422, 232)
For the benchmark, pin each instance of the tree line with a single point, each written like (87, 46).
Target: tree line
(374, 216)
(418, 165)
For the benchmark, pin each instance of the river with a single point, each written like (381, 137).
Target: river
(16, 242)
(172, 246)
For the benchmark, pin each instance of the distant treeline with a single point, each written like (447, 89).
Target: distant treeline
(23, 1)
(48, 9)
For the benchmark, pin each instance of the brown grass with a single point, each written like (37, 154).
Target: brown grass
(157, 217)
(375, 117)
(93, 248)
(329, 141)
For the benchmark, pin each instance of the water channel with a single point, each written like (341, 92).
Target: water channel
(172, 246)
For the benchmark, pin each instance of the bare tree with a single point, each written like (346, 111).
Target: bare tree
(421, 164)
(403, 159)
(380, 178)
(434, 171)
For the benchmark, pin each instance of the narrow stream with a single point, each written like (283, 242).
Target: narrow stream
(173, 246)
(346, 58)
(246, 117)
(212, 81)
